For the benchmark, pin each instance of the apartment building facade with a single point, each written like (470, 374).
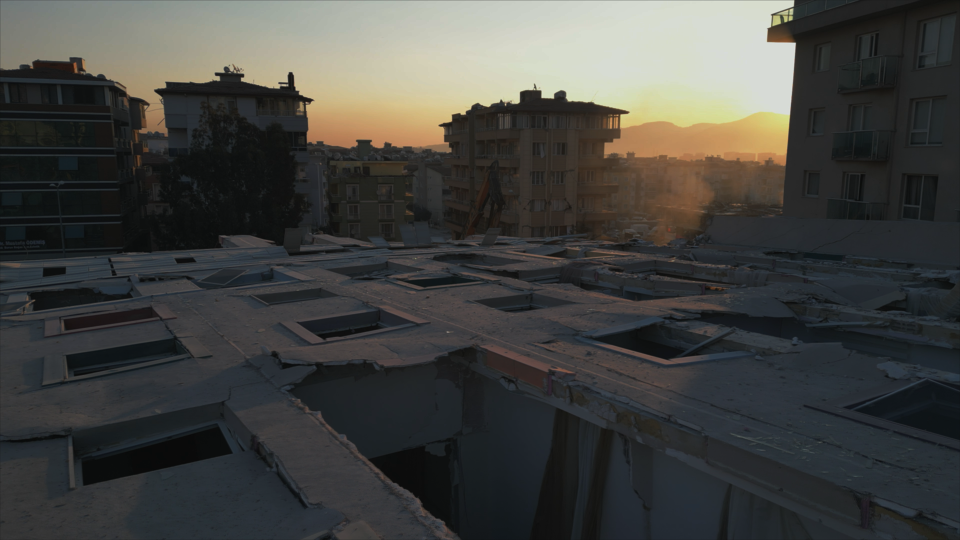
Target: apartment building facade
(550, 154)
(368, 198)
(259, 105)
(69, 162)
(875, 117)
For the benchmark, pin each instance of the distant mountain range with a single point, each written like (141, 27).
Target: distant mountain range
(760, 132)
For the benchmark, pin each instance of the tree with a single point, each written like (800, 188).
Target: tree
(236, 179)
(420, 213)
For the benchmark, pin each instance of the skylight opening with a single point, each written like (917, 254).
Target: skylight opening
(54, 271)
(64, 298)
(523, 302)
(171, 451)
(293, 296)
(353, 324)
(432, 282)
(185, 260)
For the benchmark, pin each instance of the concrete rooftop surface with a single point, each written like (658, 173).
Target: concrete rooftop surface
(529, 389)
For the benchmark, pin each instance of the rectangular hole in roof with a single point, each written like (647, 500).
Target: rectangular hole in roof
(293, 296)
(101, 360)
(345, 325)
(638, 340)
(54, 271)
(233, 277)
(204, 443)
(109, 318)
(64, 298)
(523, 302)
(428, 282)
(184, 260)
(925, 405)
(475, 259)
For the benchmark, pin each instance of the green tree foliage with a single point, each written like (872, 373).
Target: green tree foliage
(241, 181)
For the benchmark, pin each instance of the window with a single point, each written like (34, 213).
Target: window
(82, 95)
(919, 197)
(385, 192)
(540, 149)
(351, 324)
(586, 177)
(386, 211)
(293, 296)
(852, 187)
(537, 232)
(353, 192)
(110, 319)
(558, 122)
(560, 149)
(558, 205)
(353, 211)
(538, 122)
(811, 185)
(860, 118)
(558, 177)
(867, 45)
(538, 205)
(386, 230)
(536, 178)
(47, 133)
(302, 173)
(84, 365)
(822, 58)
(927, 126)
(817, 118)
(936, 42)
(18, 92)
(353, 230)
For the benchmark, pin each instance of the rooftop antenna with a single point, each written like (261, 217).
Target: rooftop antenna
(534, 86)
(594, 95)
(236, 69)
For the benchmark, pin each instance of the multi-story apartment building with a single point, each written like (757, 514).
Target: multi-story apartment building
(875, 117)
(259, 105)
(368, 197)
(69, 160)
(550, 154)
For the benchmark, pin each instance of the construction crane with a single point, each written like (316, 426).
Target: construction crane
(489, 192)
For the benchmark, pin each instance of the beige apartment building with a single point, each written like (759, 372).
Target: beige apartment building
(875, 117)
(550, 154)
(368, 196)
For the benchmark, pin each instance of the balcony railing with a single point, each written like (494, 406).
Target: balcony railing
(869, 73)
(863, 145)
(805, 10)
(845, 209)
(281, 112)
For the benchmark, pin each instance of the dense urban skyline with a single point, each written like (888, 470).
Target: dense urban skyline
(392, 71)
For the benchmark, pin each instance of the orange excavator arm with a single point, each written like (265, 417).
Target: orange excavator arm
(489, 192)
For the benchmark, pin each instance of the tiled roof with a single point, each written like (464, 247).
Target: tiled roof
(553, 105)
(237, 88)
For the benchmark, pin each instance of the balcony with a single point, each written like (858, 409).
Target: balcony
(805, 10)
(589, 214)
(457, 204)
(453, 181)
(868, 74)
(861, 145)
(281, 112)
(603, 134)
(123, 145)
(844, 209)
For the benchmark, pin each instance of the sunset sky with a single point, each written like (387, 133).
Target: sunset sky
(392, 71)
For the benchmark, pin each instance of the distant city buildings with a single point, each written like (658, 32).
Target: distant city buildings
(875, 122)
(71, 158)
(550, 153)
(369, 194)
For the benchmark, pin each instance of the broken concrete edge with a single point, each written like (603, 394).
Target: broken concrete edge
(523, 368)
(407, 499)
(32, 437)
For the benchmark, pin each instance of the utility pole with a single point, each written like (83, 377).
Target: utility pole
(63, 240)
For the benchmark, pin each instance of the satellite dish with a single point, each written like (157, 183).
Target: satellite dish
(226, 69)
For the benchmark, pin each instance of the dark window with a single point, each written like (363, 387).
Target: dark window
(19, 238)
(54, 271)
(82, 95)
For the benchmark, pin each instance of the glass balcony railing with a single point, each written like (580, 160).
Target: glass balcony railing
(869, 73)
(862, 145)
(845, 209)
(805, 10)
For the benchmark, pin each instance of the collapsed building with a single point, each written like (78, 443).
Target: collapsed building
(530, 388)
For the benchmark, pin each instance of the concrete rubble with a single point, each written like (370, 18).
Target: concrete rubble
(462, 390)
